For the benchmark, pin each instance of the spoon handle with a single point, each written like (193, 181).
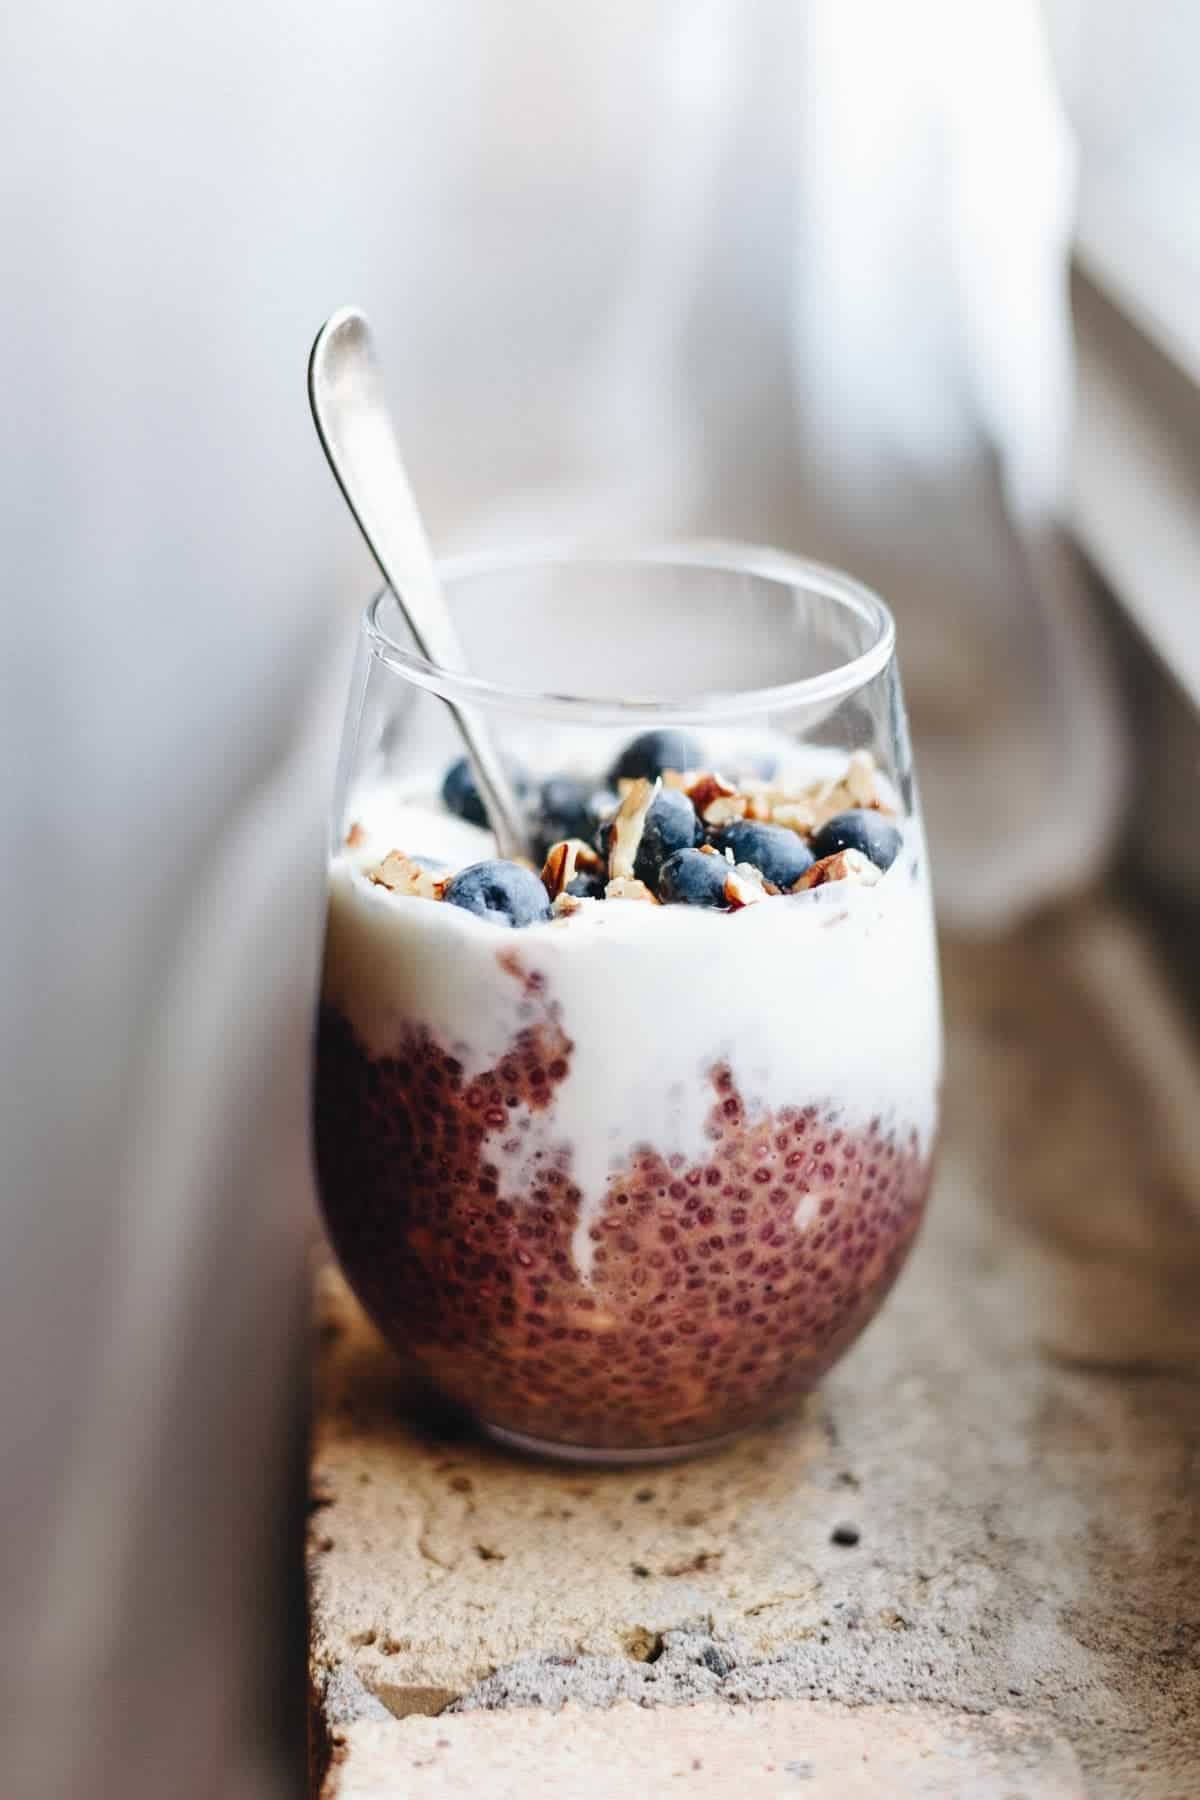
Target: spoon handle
(355, 429)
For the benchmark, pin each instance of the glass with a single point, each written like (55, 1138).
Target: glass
(629, 1178)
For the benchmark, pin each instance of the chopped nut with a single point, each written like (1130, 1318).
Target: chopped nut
(565, 905)
(758, 807)
(858, 786)
(744, 886)
(672, 778)
(797, 815)
(564, 860)
(860, 778)
(401, 875)
(831, 800)
(725, 809)
(624, 887)
(706, 787)
(843, 865)
(805, 809)
(628, 824)
(356, 837)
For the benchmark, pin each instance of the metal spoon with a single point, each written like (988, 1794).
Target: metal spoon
(355, 429)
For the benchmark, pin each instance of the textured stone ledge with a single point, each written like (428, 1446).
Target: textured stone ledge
(811, 1749)
(992, 1506)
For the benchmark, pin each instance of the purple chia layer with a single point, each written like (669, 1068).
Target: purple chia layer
(707, 1307)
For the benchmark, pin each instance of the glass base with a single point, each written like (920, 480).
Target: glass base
(613, 1459)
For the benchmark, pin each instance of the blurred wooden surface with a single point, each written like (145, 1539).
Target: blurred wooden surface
(1014, 1447)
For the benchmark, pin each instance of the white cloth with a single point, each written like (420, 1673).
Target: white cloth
(790, 273)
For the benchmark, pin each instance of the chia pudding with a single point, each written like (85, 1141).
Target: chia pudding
(626, 1154)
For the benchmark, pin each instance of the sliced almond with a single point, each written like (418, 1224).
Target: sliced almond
(565, 905)
(564, 861)
(843, 865)
(628, 824)
(401, 875)
(624, 887)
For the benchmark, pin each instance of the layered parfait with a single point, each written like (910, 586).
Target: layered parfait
(627, 1144)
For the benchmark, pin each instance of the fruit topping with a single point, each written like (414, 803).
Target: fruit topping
(695, 878)
(505, 893)
(868, 832)
(586, 887)
(671, 825)
(566, 810)
(462, 797)
(652, 752)
(643, 837)
(779, 855)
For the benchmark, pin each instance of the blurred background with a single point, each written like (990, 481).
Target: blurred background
(914, 290)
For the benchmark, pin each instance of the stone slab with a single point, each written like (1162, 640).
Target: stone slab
(993, 1503)
(766, 1751)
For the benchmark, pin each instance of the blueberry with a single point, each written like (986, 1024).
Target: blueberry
(502, 892)
(693, 878)
(761, 765)
(587, 887)
(869, 832)
(460, 794)
(567, 808)
(652, 752)
(604, 804)
(671, 825)
(779, 856)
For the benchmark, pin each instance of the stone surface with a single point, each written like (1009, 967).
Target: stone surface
(992, 1504)
(812, 1749)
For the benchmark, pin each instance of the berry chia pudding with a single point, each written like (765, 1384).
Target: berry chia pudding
(628, 1150)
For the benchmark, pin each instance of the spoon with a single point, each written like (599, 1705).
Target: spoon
(356, 433)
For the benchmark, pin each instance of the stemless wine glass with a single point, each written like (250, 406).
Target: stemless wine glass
(626, 1177)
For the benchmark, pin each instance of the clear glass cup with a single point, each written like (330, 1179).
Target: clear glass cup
(628, 1179)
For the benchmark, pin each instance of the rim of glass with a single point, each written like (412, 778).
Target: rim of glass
(716, 554)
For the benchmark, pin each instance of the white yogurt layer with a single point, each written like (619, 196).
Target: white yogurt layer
(825, 997)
